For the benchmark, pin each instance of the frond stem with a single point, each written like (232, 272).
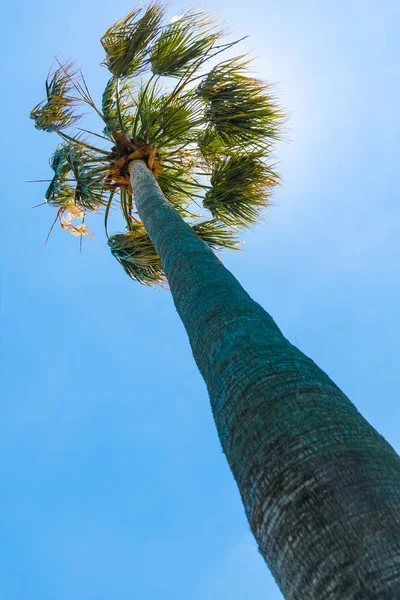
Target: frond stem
(80, 143)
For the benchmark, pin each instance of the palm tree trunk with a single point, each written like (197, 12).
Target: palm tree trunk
(321, 488)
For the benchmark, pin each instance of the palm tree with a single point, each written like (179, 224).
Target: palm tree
(185, 153)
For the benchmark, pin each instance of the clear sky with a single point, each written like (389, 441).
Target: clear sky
(113, 483)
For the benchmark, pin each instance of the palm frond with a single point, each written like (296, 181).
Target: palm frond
(126, 43)
(77, 141)
(78, 83)
(78, 179)
(148, 103)
(89, 175)
(240, 188)
(57, 110)
(126, 208)
(211, 145)
(117, 105)
(182, 43)
(67, 215)
(163, 120)
(179, 186)
(216, 235)
(240, 109)
(60, 168)
(136, 253)
(178, 120)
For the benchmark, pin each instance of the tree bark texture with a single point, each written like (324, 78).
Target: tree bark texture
(320, 487)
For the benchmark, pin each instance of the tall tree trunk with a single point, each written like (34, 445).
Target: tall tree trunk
(321, 488)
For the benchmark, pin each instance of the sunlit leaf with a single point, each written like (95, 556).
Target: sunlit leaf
(178, 120)
(240, 109)
(78, 178)
(136, 253)
(240, 188)
(182, 43)
(179, 186)
(127, 42)
(216, 235)
(211, 145)
(117, 105)
(56, 112)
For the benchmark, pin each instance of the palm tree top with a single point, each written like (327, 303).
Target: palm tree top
(206, 135)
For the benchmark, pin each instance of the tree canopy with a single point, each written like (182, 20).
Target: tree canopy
(205, 128)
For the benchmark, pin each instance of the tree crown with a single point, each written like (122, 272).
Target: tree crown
(207, 136)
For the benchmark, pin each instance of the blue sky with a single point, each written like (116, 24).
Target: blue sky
(113, 481)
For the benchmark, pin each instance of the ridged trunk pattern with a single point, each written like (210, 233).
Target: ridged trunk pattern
(320, 487)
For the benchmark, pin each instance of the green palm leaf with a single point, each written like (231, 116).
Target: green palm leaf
(137, 255)
(179, 120)
(240, 188)
(60, 168)
(126, 43)
(148, 104)
(78, 179)
(211, 144)
(182, 43)
(179, 185)
(165, 120)
(117, 105)
(240, 109)
(88, 178)
(57, 111)
(216, 235)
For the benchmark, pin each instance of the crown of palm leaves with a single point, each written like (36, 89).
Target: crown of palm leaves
(206, 136)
